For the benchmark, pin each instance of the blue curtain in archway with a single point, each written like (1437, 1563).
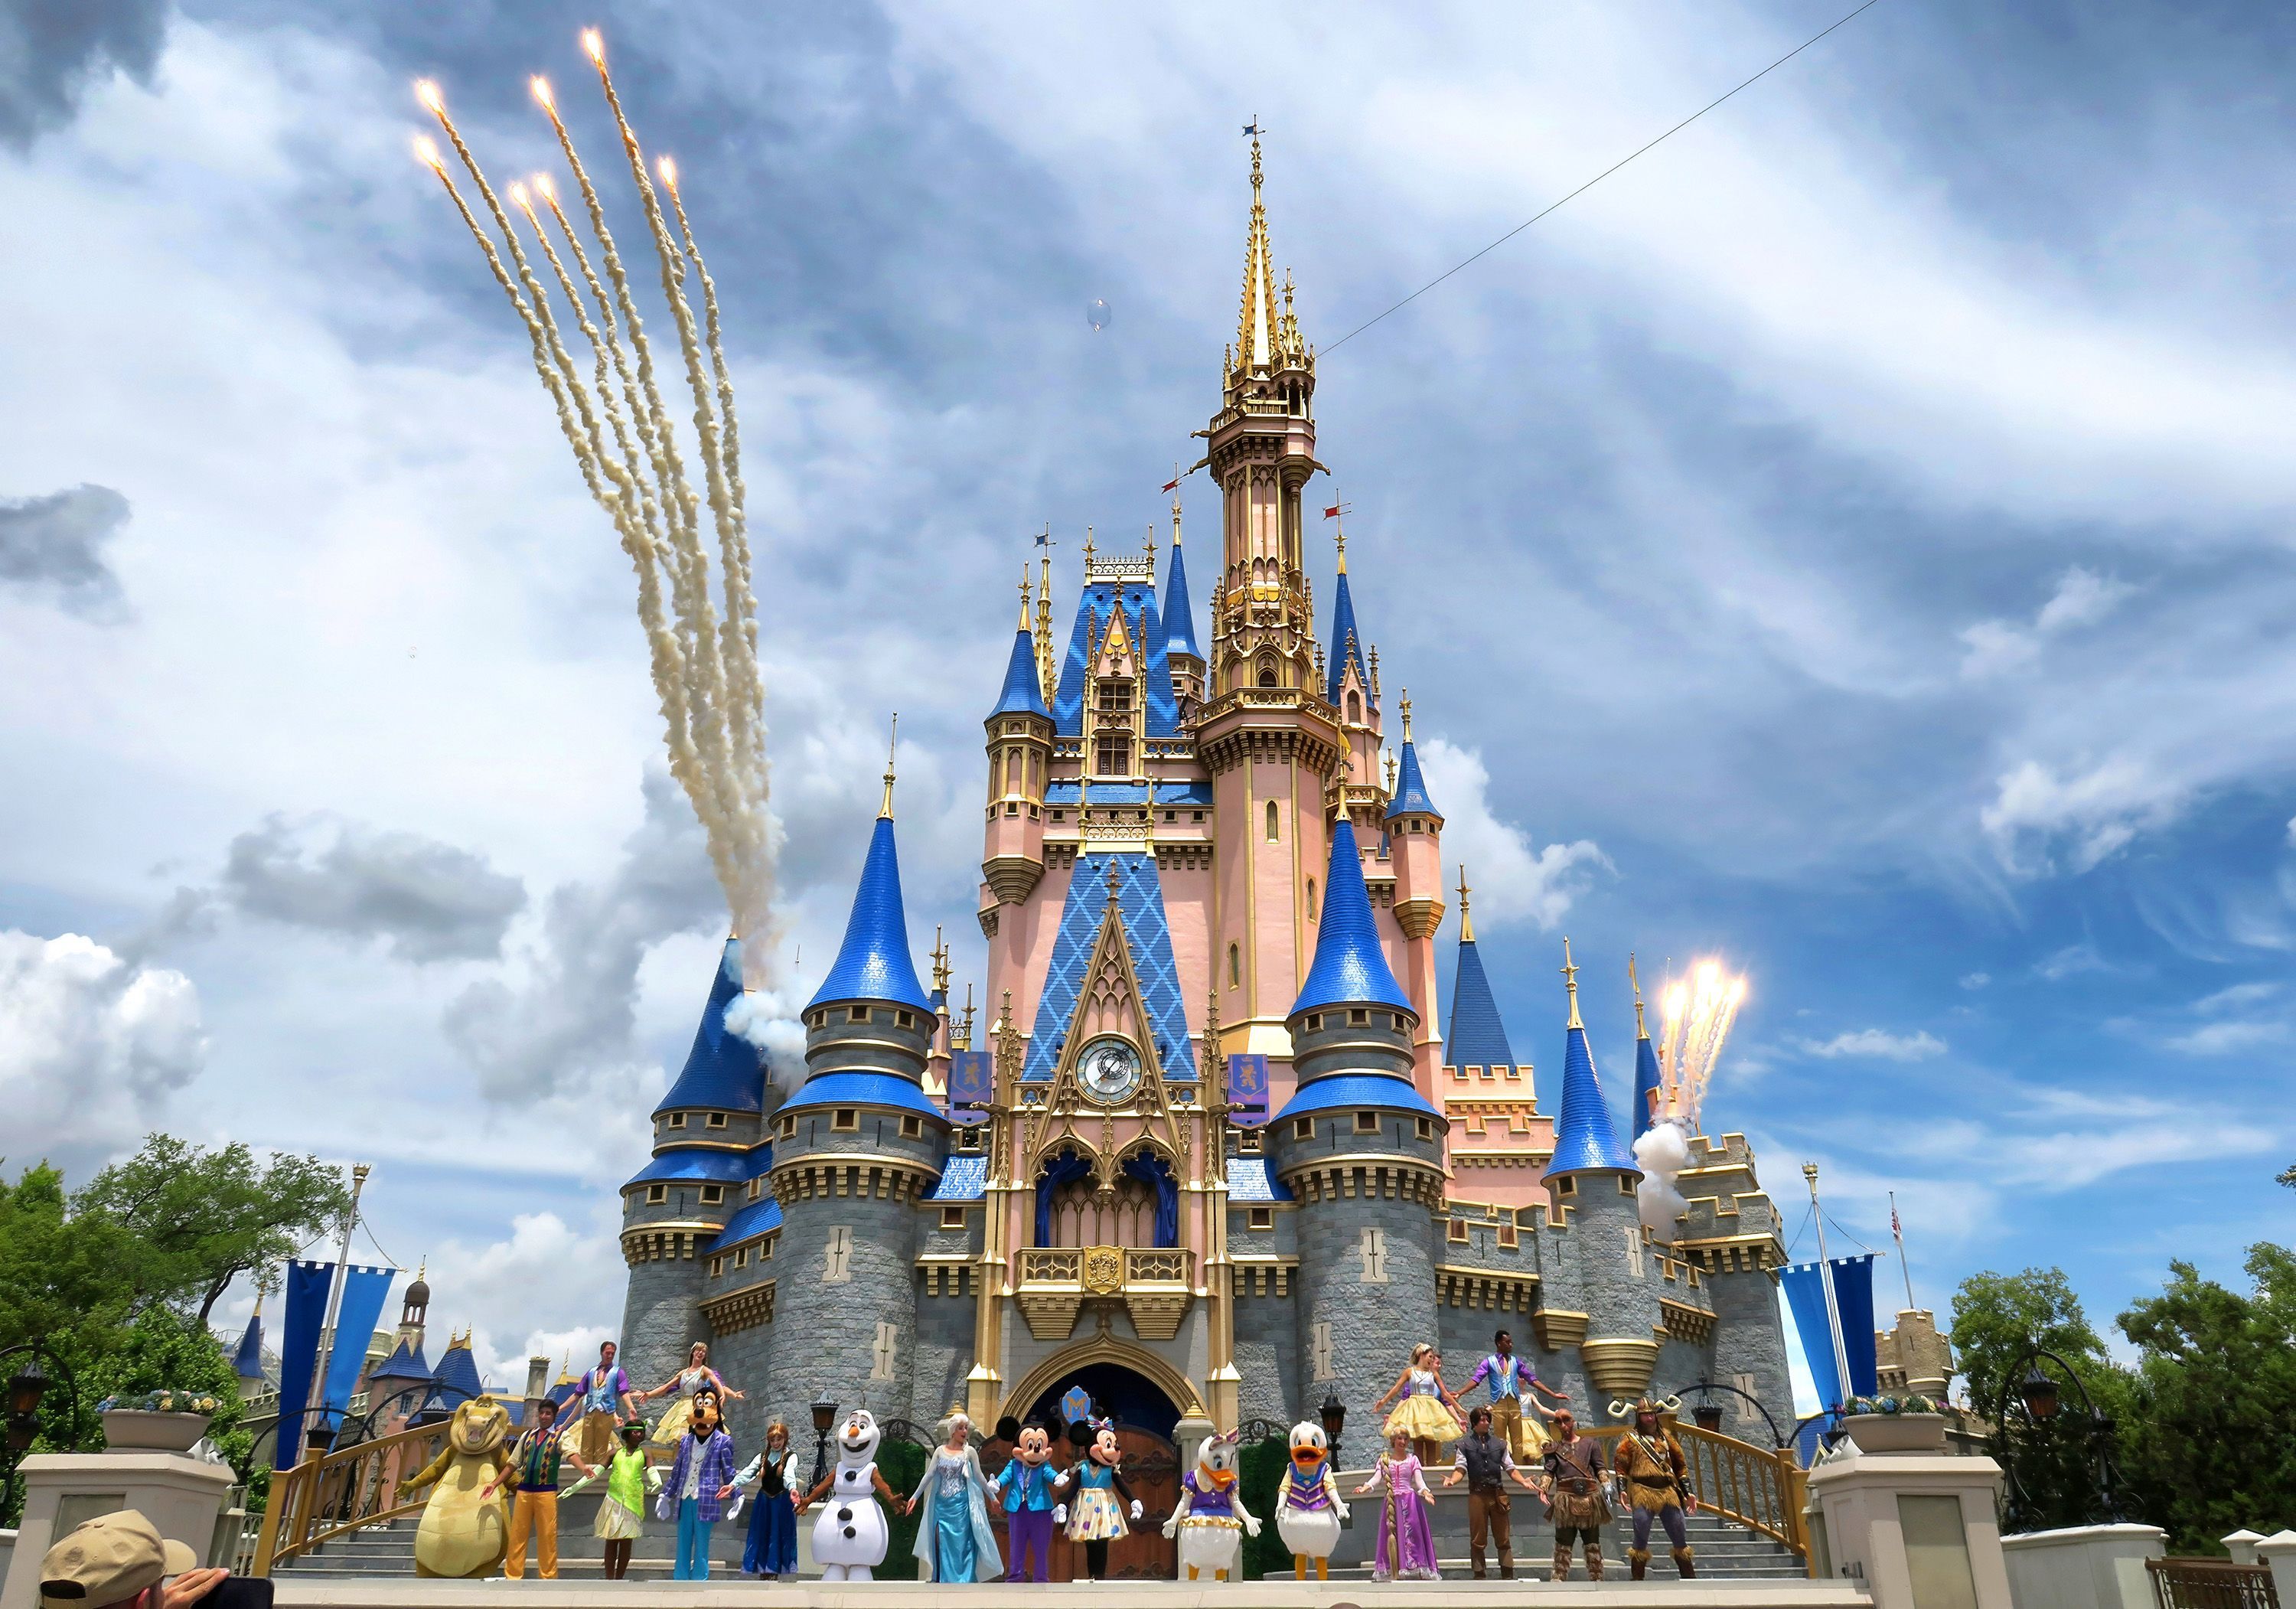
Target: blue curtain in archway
(1155, 1173)
(1065, 1169)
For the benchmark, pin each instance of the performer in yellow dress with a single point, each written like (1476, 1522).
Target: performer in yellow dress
(1425, 1410)
(696, 1374)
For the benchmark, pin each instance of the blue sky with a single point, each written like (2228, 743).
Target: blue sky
(1852, 540)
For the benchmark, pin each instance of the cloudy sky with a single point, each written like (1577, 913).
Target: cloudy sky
(1854, 540)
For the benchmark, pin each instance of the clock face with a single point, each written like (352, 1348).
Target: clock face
(1110, 1071)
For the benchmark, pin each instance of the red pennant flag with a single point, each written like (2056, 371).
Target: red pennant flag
(1332, 513)
(1171, 485)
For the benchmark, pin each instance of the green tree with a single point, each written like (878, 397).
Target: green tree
(2207, 1447)
(1999, 1321)
(196, 1218)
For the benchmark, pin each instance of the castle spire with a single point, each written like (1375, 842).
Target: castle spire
(1585, 1140)
(1350, 966)
(892, 746)
(1650, 1084)
(1570, 984)
(1466, 917)
(1259, 329)
(1478, 1036)
(1409, 792)
(874, 963)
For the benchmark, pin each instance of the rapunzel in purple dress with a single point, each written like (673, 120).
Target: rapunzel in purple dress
(1404, 1510)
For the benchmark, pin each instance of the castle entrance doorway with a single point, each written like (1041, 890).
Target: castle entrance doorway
(1144, 1417)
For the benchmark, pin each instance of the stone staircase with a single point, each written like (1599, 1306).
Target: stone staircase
(386, 1551)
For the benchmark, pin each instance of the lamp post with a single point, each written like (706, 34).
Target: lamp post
(825, 1415)
(1334, 1414)
(27, 1386)
(1711, 1410)
(2038, 1398)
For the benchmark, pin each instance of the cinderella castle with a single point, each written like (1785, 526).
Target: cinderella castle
(1214, 1155)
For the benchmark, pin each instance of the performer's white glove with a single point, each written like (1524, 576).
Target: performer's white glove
(661, 1507)
(1135, 1508)
(1171, 1526)
(1341, 1508)
(1060, 1513)
(1250, 1526)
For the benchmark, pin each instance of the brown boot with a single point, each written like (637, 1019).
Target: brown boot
(1682, 1563)
(1637, 1562)
(1593, 1561)
(1562, 1563)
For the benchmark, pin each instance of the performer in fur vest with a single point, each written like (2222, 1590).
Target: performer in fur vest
(1575, 1498)
(1652, 1472)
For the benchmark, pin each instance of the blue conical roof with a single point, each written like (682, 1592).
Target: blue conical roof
(1646, 1083)
(722, 1070)
(1411, 788)
(1346, 643)
(1022, 695)
(405, 1363)
(248, 1361)
(1478, 1038)
(1179, 611)
(1584, 1138)
(1350, 968)
(456, 1378)
(873, 962)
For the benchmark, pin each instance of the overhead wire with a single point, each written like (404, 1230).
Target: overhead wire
(1599, 178)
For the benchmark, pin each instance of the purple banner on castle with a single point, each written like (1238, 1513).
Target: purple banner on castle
(1247, 1090)
(971, 1082)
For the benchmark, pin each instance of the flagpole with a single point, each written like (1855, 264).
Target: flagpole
(334, 1305)
(1898, 1229)
(1825, 1283)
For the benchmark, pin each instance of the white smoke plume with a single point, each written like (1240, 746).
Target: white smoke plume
(1662, 1152)
(770, 1021)
(701, 645)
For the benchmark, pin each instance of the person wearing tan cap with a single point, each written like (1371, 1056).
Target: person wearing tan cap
(117, 1560)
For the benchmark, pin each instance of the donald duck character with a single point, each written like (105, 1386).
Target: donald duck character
(1308, 1508)
(1210, 1518)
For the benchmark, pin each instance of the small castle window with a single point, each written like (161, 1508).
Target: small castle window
(1355, 706)
(1274, 825)
(1303, 1127)
(742, 1257)
(1266, 675)
(712, 1194)
(1171, 816)
(1456, 1232)
(1366, 1122)
(716, 1267)
(857, 1014)
(757, 1188)
(1358, 1019)
(1234, 966)
(1314, 1021)
(767, 1250)
(1112, 757)
(908, 1019)
(1115, 695)
(1427, 1129)
(656, 1194)
(1509, 1238)
(1260, 1217)
(1196, 815)
(1626, 1184)
(789, 1128)
(1311, 898)
(913, 1128)
(677, 1120)
(952, 1217)
(716, 1120)
(1566, 1186)
(821, 1019)
(845, 1120)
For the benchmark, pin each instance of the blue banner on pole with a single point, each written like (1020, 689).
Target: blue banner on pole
(1247, 1090)
(971, 1081)
(364, 1290)
(1852, 1278)
(307, 1284)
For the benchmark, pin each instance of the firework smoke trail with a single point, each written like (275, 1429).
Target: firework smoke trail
(732, 545)
(704, 669)
(1699, 1016)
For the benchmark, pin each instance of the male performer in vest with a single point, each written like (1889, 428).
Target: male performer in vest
(607, 1403)
(1651, 1468)
(534, 1510)
(1484, 1464)
(1510, 1378)
(1574, 1496)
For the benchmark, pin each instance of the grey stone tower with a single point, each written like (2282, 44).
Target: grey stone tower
(707, 1136)
(1363, 1151)
(1592, 1181)
(857, 1148)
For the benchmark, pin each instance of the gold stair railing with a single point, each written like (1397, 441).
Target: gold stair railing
(339, 1491)
(1760, 1488)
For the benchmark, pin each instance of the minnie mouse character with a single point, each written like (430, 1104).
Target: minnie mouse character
(1095, 1518)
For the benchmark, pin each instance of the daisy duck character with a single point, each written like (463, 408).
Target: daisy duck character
(1210, 1518)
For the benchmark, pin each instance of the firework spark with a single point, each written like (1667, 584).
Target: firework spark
(1698, 1015)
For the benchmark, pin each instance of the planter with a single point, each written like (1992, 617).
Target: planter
(126, 1429)
(1897, 1432)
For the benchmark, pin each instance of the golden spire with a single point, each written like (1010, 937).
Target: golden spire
(1406, 715)
(1152, 549)
(940, 965)
(892, 743)
(1088, 551)
(1571, 983)
(1466, 917)
(1024, 597)
(1340, 540)
(1640, 1032)
(1176, 502)
(968, 1016)
(1391, 774)
(1045, 623)
(1258, 331)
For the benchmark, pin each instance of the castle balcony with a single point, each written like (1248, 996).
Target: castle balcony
(1154, 1283)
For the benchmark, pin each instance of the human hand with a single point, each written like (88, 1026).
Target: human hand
(1690, 1506)
(1453, 1479)
(190, 1588)
(725, 1492)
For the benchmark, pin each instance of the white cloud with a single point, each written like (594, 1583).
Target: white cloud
(2223, 1039)
(2099, 810)
(90, 1045)
(2082, 598)
(2070, 961)
(2239, 994)
(545, 1290)
(1975, 979)
(1511, 878)
(1878, 1044)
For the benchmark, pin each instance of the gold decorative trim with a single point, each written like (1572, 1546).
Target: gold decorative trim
(1181, 1389)
(1684, 1322)
(741, 1310)
(1486, 1288)
(1558, 1327)
(1618, 1367)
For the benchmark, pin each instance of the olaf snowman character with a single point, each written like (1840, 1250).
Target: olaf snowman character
(850, 1538)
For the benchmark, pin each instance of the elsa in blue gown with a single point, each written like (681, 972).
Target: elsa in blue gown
(953, 1542)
